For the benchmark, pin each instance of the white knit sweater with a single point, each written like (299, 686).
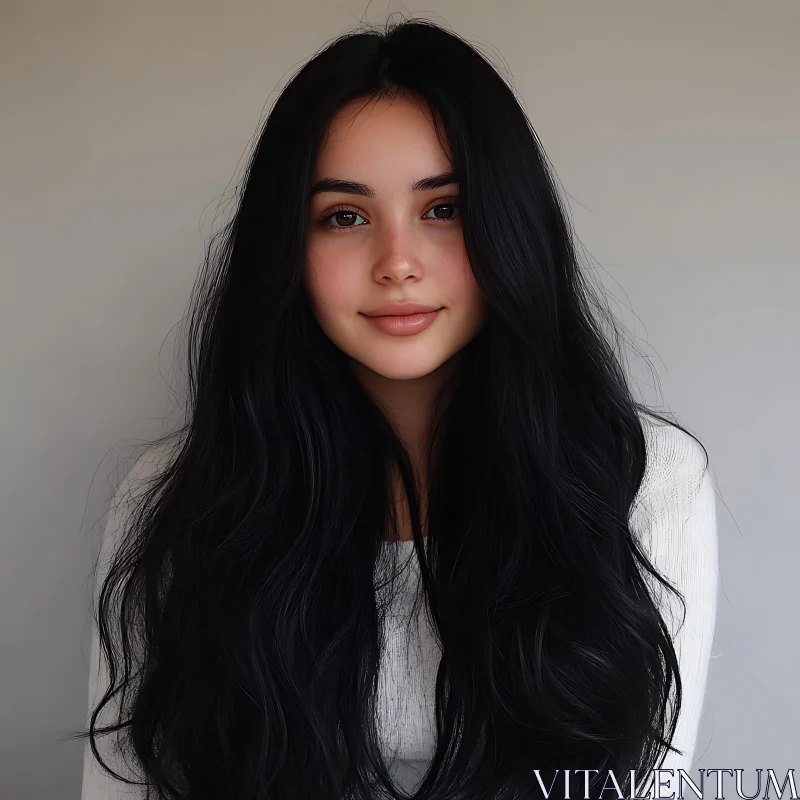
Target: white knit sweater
(675, 517)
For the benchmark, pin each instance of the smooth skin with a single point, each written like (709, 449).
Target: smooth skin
(393, 246)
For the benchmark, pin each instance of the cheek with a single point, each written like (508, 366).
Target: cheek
(464, 289)
(461, 282)
(331, 286)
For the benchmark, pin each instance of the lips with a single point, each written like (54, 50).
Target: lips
(401, 310)
(403, 324)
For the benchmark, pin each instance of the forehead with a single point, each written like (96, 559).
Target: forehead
(381, 137)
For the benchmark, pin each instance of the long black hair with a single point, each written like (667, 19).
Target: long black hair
(239, 616)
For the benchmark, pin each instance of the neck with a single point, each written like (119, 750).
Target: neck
(409, 407)
(408, 404)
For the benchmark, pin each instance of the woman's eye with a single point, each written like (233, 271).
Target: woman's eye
(334, 220)
(344, 212)
(448, 218)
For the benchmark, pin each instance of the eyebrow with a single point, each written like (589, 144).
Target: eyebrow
(354, 187)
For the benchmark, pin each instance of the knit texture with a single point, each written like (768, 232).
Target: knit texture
(674, 517)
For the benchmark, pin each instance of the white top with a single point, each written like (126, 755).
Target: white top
(675, 517)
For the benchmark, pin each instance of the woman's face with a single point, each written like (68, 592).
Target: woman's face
(389, 243)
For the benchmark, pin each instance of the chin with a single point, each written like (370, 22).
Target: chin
(398, 369)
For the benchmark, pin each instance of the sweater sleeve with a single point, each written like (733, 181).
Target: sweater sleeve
(97, 784)
(679, 530)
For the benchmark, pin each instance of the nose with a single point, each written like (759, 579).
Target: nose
(397, 273)
(398, 262)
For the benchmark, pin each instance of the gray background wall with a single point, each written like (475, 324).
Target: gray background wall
(675, 130)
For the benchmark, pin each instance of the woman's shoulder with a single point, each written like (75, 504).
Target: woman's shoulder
(674, 456)
(146, 467)
(677, 475)
(674, 512)
(135, 480)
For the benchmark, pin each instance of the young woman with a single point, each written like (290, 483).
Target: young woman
(416, 534)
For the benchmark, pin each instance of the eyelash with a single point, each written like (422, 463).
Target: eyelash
(325, 221)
